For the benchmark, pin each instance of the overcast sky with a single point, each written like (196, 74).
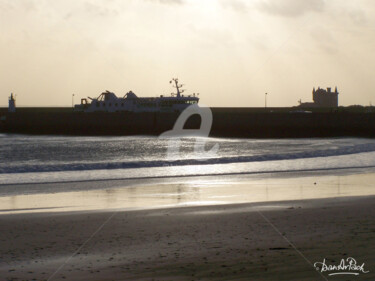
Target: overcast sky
(230, 51)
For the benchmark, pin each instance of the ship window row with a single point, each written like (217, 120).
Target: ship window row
(169, 103)
(110, 104)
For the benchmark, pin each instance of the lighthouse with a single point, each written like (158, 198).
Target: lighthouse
(12, 104)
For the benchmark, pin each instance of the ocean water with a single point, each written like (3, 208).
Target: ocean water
(50, 159)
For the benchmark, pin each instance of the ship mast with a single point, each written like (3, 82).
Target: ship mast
(177, 86)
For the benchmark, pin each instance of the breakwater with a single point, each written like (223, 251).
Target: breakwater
(227, 122)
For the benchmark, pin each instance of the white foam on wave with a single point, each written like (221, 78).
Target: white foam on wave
(30, 167)
(25, 159)
(360, 160)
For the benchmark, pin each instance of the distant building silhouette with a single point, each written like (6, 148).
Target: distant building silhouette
(323, 98)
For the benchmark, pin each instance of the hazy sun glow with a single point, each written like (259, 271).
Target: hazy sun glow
(230, 51)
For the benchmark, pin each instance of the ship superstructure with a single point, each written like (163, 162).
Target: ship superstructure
(109, 102)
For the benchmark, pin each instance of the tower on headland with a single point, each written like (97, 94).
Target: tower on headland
(12, 103)
(323, 98)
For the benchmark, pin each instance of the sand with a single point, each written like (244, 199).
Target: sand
(253, 241)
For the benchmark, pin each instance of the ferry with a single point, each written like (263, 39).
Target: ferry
(109, 102)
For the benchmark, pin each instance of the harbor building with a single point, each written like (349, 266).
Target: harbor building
(323, 98)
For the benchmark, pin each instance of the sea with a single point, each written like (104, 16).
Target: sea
(55, 159)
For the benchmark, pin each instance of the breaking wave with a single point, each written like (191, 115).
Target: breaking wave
(27, 167)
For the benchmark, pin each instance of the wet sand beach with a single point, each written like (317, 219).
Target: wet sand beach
(273, 240)
(184, 191)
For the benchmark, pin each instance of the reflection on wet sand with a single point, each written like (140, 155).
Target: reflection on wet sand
(195, 191)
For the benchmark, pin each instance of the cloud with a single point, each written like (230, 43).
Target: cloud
(28, 5)
(291, 8)
(325, 40)
(236, 5)
(212, 38)
(6, 6)
(358, 16)
(23, 5)
(169, 2)
(99, 10)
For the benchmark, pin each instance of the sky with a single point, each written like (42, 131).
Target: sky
(231, 52)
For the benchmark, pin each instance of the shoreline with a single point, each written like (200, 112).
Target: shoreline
(252, 241)
(134, 181)
(188, 191)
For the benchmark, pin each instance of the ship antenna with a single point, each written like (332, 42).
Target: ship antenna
(177, 86)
